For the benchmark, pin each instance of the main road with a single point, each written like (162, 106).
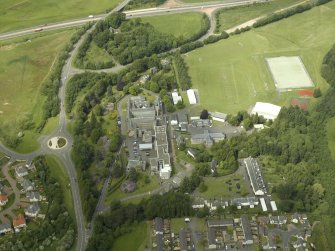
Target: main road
(130, 14)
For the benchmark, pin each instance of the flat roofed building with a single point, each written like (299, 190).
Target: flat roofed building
(267, 110)
(141, 113)
(273, 206)
(176, 98)
(263, 204)
(255, 176)
(218, 116)
(248, 240)
(145, 146)
(191, 97)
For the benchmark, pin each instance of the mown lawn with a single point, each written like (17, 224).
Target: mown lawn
(179, 25)
(18, 14)
(230, 18)
(24, 65)
(232, 75)
(134, 239)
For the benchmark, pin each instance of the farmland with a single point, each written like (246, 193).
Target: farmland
(17, 14)
(232, 75)
(24, 65)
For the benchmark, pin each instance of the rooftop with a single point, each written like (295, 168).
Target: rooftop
(255, 176)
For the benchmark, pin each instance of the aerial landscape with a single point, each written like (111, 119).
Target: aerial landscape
(160, 125)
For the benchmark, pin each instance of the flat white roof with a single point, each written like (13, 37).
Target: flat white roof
(273, 205)
(267, 110)
(263, 204)
(191, 97)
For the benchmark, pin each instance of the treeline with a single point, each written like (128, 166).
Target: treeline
(135, 4)
(51, 86)
(182, 72)
(287, 13)
(328, 67)
(57, 230)
(120, 218)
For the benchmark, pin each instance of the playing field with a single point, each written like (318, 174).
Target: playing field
(179, 25)
(289, 72)
(232, 74)
(23, 67)
(17, 14)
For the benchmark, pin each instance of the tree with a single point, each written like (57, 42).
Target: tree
(133, 175)
(317, 93)
(247, 124)
(154, 87)
(204, 114)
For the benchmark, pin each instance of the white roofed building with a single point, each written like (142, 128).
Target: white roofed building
(267, 110)
(191, 97)
(176, 98)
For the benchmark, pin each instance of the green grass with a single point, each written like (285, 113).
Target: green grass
(179, 25)
(230, 18)
(331, 136)
(217, 187)
(132, 240)
(96, 55)
(142, 187)
(23, 68)
(17, 14)
(232, 75)
(58, 170)
(177, 224)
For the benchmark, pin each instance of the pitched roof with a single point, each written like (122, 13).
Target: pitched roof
(19, 220)
(3, 197)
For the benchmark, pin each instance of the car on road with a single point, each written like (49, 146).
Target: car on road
(90, 16)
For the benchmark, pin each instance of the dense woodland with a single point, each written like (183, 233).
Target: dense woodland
(56, 230)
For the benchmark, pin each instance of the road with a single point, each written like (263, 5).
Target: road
(130, 14)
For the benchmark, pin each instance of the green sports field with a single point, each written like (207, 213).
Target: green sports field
(24, 66)
(17, 14)
(232, 75)
(179, 25)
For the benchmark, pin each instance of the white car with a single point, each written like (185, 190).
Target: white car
(90, 16)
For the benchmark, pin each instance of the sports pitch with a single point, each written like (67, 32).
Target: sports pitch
(289, 72)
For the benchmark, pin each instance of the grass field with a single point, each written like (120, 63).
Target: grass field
(134, 239)
(23, 68)
(58, 170)
(232, 75)
(230, 18)
(96, 55)
(17, 14)
(179, 25)
(218, 187)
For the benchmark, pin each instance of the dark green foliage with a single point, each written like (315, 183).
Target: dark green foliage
(328, 67)
(317, 93)
(214, 38)
(139, 3)
(191, 46)
(182, 72)
(204, 114)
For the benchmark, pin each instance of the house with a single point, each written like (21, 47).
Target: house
(295, 218)
(207, 137)
(277, 220)
(159, 231)
(198, 203)
(32, 210)
(5, 228)
(19, 223)
(218, 116)
(33, 196)
(183, 120)
(248, 240)
(255, 176)
(21, 171)
(3, 199)
(27, 185)
(192, 152)
(30, 165)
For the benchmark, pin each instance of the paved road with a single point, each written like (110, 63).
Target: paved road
(130, 14)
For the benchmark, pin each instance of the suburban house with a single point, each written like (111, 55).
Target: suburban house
(21, 171)
(255, 176)
(5, 228)
(3, 199)
(33, 196)
(248, 240)
(19, 223)
(32, 210)
(211, 236)
(27, 185)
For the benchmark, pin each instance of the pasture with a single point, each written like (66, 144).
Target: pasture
(24, 65)
(18, 14)
(232, 74)
(182, 25)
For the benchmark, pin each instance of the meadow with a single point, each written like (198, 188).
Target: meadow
(18, 14)
(232, 75)
(24, 65)
(179, 25)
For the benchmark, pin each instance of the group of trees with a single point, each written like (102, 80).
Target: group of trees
(57, 229)
(182, 72)
(119, 220)
(328, 67)
(245, 119)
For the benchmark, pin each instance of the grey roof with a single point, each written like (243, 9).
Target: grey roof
(246, 228)
(211, 236)
(218, 115)
(182, 240)
(220, 223)
(214, 164)
(21, 169)
(192, 151)
(27, 185)
(255, 175)
(207, 137)
(201, 122)
(32, 209)
(33, 195)
(182, 118)
(4, 227)
(159, 224)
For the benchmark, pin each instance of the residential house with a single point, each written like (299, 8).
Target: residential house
(3, 199)
(21, 171)
(33, 196)
(32, 210)
(19, 223)
(27, 185)
(277, 220)
(5, 228)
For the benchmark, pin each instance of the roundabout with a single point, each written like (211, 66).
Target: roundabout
(56, 143)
